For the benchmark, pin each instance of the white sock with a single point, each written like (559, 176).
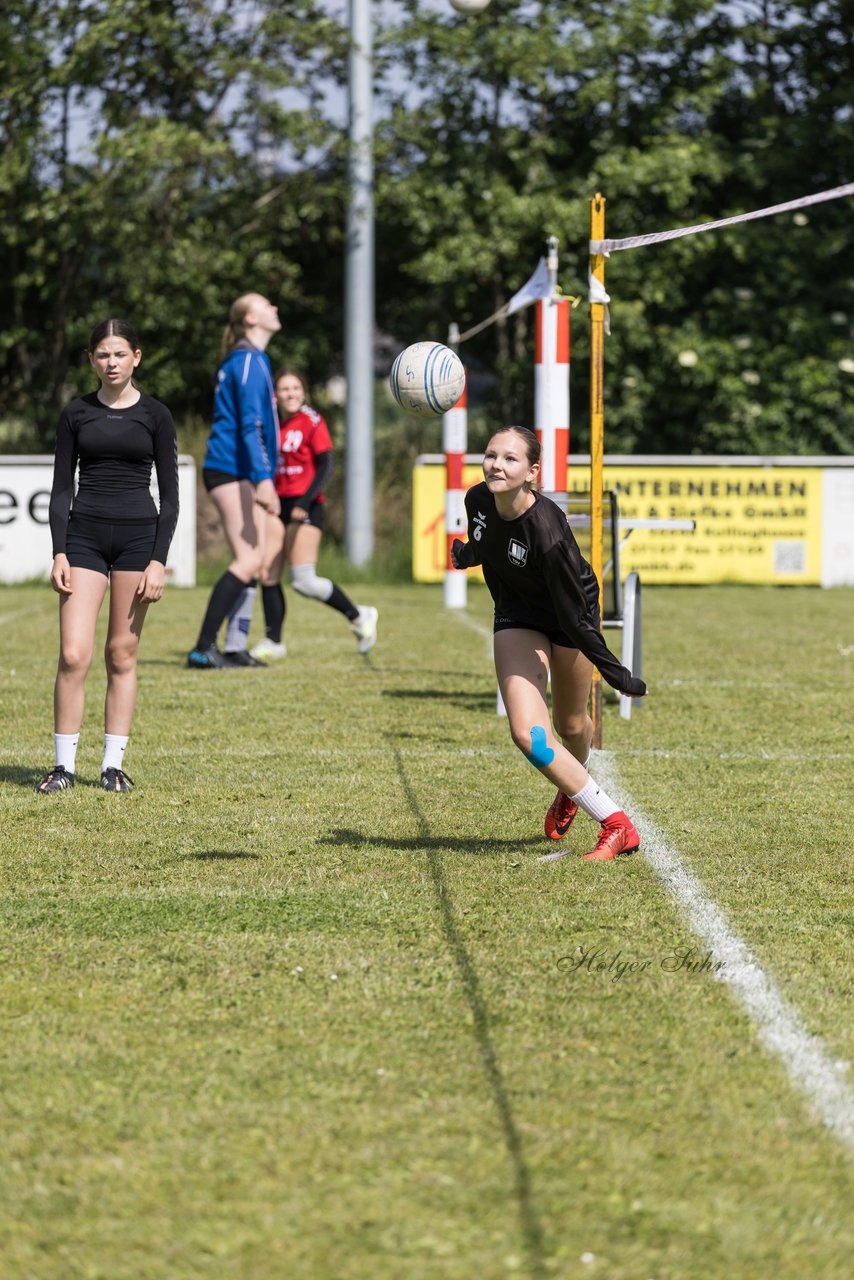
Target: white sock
(66, 749)
(593, 800)
(239, 621)
(114, 750)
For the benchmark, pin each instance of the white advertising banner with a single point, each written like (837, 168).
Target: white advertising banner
(25, 544)
(837, 568)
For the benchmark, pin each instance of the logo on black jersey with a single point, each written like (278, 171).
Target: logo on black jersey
(479, 526)
(517, 553)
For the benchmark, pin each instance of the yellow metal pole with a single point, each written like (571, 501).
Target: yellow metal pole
(597, 434)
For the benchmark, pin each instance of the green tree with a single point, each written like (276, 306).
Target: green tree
(169, 206)
(679, 112)
(215, 161)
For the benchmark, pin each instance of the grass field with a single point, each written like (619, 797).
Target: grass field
(305, 1005)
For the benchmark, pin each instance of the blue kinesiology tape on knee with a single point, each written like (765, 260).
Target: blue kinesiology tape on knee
(540, 755)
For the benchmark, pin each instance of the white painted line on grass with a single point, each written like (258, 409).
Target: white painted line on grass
(748, 757)
(777, 1025)
(472, 623)
(20, 613)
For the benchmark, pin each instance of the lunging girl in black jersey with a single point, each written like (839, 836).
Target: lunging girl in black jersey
(108, 531)
(546, 619)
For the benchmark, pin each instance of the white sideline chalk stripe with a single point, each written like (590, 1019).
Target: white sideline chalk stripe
(782, 757)
(777, 1025)
(468, 621)
(16, 613)
(658, 237)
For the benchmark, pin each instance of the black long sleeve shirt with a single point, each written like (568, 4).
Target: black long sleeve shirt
(537, 576)
(116, 449)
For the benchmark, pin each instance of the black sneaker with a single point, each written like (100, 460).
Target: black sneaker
(115, 780)
(210, 657)
(59, 779)
(241, 658)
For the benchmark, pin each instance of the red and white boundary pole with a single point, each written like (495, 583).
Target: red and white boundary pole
(551, 395)
(454, 443)
(551, 386)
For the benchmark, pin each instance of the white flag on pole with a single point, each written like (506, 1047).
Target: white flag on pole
(538, 286)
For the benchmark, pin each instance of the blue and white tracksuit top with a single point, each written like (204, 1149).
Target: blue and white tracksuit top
(244, 439)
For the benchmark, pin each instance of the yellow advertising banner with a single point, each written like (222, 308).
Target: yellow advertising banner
(752, 524)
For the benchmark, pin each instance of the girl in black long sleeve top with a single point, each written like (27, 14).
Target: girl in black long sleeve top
(546, 621)
(110, 531)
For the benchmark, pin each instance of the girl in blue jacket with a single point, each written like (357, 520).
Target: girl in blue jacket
(238, 474)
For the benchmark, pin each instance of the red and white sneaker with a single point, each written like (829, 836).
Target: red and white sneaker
(617, 836)
(560, 816)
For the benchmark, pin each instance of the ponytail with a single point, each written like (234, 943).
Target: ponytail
(235, 331)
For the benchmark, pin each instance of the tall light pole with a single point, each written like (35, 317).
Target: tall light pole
(359, 294)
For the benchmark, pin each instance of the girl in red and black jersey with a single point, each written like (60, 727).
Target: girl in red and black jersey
(107, 532)
(546, 622)
(302, 473)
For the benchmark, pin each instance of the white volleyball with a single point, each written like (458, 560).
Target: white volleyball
(467, 7)
(427, 379)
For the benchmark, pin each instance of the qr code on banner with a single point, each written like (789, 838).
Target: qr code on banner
(790, 557)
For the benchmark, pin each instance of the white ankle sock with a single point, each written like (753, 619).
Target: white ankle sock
(114, 750)
(66, 749)
(593, 800)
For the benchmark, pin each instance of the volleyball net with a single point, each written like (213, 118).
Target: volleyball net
(608, 247)
(551, 382)
(600, 250)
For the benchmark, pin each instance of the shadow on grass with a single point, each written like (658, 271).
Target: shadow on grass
(425, 843)
(220, 855)
(532, 1234)
(179, 662)
(177, 658)
(465, 698)
(21, 776)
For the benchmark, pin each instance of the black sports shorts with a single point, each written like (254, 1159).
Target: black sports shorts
(315, 511)
(502, 622)
(213, 479)
(99, 545)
